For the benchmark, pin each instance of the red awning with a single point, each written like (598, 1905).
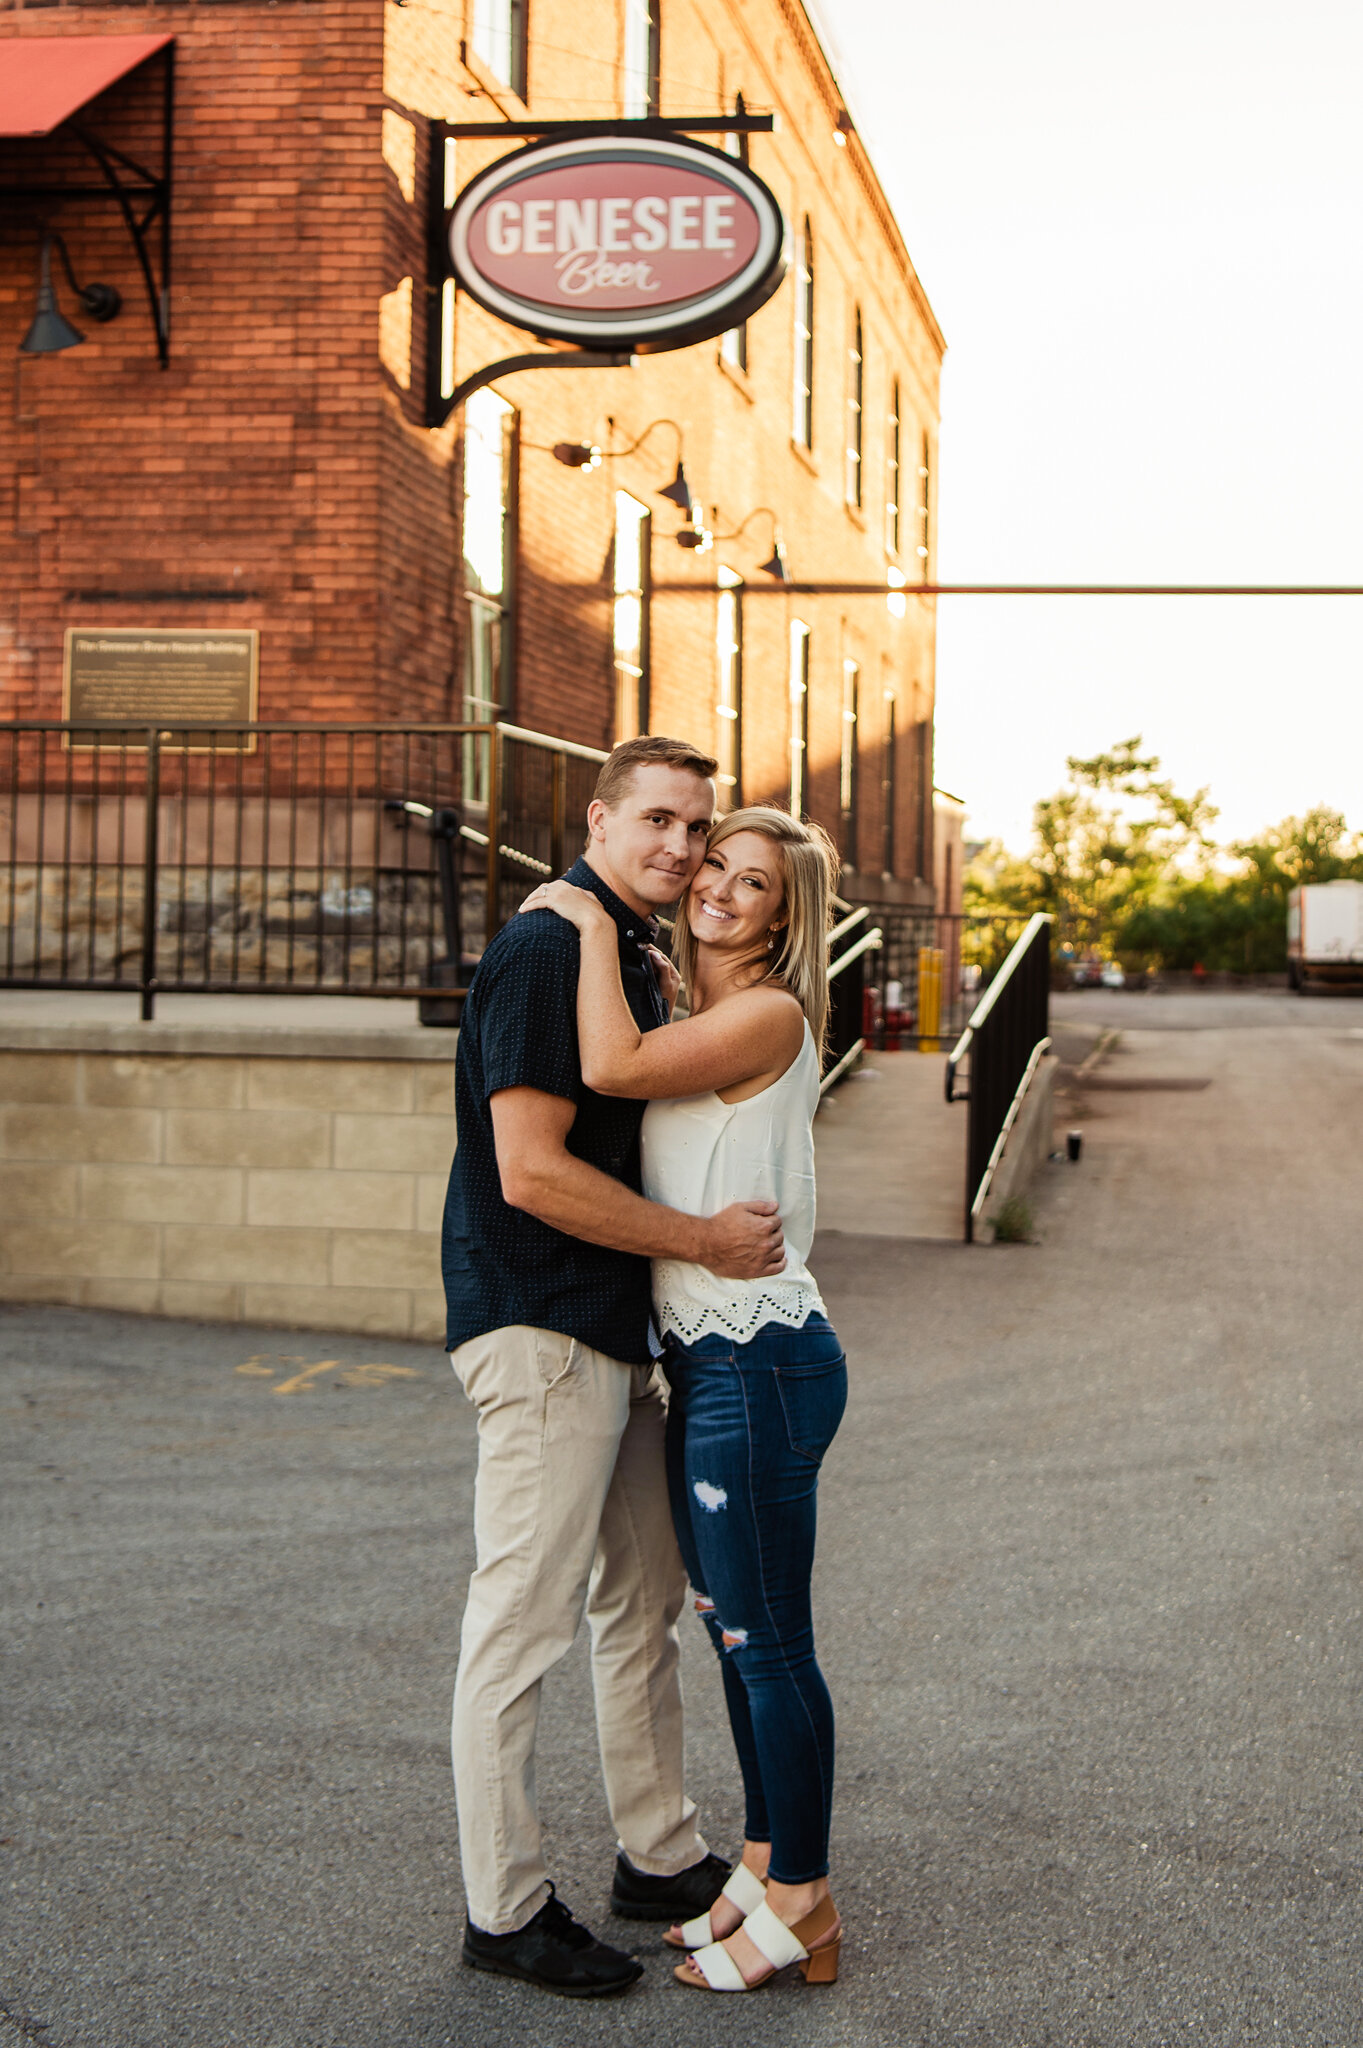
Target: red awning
(46, 79)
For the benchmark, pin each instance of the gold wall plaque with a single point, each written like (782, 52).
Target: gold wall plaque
(141, 676)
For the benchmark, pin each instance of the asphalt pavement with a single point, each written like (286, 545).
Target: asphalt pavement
(1090, 1598)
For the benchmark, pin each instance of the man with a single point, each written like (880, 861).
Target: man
(546, 1251)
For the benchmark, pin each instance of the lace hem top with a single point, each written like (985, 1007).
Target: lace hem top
(700, 1154)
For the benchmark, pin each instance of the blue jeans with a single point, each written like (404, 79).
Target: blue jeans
(747, 1427)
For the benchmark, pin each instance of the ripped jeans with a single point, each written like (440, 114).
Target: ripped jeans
(747, 1427)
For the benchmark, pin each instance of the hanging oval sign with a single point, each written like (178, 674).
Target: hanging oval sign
(646, 245)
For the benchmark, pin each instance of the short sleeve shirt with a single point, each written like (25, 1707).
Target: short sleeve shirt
(519, 1030)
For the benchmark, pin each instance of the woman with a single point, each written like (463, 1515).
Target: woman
(758, 1379)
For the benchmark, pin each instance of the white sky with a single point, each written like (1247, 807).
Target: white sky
(1141, 229)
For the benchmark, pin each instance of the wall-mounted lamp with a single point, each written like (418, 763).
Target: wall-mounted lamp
(842, 127)
(896, 604)
(586, 456)
(581, 455)
(778, 564)
(50, 331)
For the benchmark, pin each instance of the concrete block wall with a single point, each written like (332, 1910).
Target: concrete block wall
(235, 1185)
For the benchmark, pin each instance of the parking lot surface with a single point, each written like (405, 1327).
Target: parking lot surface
(1090, 1598)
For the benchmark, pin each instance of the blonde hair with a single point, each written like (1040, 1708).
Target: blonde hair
(809, 870)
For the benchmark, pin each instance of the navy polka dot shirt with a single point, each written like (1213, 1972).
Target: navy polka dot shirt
(519, 1030)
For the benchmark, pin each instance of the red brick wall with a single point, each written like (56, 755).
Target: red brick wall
(248, 470)
(282, 461)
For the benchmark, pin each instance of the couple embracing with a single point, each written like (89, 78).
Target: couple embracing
(632, 1195)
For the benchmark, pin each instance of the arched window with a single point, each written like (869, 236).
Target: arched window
(856, 380)
(729, 702)
(799, 716)
(892, 449)
(925, 508)
(499, 39)
(850, 762)
(489, 551)
(633, 528)
(641, 59)
(802, 422)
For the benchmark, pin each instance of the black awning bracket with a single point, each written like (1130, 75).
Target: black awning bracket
(509, 366)
(142, 196)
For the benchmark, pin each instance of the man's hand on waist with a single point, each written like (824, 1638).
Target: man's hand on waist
(743, 1242)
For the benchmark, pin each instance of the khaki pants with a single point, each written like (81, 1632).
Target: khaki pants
(570, 1510)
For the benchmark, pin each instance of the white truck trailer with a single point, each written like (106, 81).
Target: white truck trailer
(1325, 933)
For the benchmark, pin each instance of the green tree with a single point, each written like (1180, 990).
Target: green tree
(1102, 847)
(1237, 921)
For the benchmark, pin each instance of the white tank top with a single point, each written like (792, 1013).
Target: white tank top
(700, 1154)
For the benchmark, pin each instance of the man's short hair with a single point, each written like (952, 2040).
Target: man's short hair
(649, 750)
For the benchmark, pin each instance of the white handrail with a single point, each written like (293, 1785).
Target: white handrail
(835, 1073)
(544, 739)
(987, 1179)
(872, 943)
(847, 923)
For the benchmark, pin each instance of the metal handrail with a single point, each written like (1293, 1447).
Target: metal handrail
(847, 923)
(271, 815)
(990, 997)
(835, 1073)
(544, 739)
(1042, 1046)
(870, 944)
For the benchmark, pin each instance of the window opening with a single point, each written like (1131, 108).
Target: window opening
(733, 343)
(799, 714)
(856, 369)
(489, 468)
(499, 39)
(848, 766)
(924, 506)
(729, 700)
(892, 454)
(641, 59)
(633, 526)
(802, 423)
(889, 784)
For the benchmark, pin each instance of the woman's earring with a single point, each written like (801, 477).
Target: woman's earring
(771, 943)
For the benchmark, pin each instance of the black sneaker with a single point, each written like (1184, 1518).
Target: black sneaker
(634, 1896)
(555, 1952)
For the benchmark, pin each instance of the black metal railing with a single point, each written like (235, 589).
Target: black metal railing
(1007, 1034)
(852, 945)
(274, 859)
(930, 973)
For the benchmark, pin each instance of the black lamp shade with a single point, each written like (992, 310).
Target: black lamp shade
(678, 492)
(50, 330)
(778, 566)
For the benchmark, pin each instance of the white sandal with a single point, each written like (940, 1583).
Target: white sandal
(743, 1888)
(714, 1969)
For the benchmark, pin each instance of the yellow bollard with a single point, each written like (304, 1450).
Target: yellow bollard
(929, 997)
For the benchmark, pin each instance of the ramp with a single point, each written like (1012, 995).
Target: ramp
(891, 1152)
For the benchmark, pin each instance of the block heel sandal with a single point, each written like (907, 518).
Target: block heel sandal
(743, 1888)
(814, 1943)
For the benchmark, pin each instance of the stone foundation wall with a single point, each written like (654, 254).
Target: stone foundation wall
(231, 1184)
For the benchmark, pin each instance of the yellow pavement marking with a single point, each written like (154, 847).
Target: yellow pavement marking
(375, 1375)
(371, 1374)
(301, 1381)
